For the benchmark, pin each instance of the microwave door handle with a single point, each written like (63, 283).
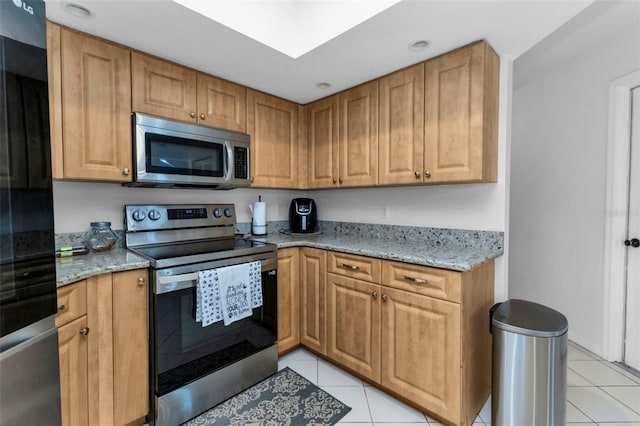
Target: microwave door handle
(228, 167)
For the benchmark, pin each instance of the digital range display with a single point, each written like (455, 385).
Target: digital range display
(187, 213)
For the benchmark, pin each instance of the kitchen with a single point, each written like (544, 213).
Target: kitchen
(469, 206)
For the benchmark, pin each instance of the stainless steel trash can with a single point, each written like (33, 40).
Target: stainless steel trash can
(529, 365)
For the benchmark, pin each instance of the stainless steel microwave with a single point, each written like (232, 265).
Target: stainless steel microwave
(181, 155)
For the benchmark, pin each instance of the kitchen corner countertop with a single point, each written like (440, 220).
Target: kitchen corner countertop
(75, 268)
(452, 256)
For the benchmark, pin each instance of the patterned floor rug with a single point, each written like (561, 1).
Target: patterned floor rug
(284, 399)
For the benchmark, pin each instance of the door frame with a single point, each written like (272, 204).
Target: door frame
(617, 192)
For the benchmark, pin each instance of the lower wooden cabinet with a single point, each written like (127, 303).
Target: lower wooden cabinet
(288, 299)
(421, 356)
(417, 332)
(74, 388)
(103, 349)
(313, 279)
(353, 325)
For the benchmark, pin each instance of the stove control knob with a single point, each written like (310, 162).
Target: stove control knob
(217, 213)
(154, 215)
(139, 215)
(227, 212)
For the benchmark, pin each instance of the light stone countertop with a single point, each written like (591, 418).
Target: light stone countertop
(458, 250)
(75, 268)
(436, 254)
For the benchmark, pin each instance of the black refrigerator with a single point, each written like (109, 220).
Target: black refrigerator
(29, 371)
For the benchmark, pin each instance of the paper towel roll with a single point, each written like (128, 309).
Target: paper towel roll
(259, 222)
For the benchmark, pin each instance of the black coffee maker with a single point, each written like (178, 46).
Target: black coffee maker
(303, 216)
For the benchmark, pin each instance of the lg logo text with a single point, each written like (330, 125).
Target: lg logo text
(24, 6)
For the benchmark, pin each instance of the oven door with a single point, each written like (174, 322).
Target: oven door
(184, 350)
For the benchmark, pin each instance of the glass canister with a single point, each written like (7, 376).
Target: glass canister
(100, 237)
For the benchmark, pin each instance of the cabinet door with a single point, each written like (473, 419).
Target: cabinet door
(96, 109)
(130, 346)
(461, 114)
(353, 325)
(74, 388)
(322, 140)
(421, 356)
(100, 349)
(288, 298)
(402, 127)
(273, 125)
(162, 88)
(358, 161)
(313, 278)
(221, 103)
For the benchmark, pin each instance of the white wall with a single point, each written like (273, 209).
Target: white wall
(473, 206)
(76, 204)
(558, 160)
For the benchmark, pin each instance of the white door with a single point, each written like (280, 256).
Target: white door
(632, 338)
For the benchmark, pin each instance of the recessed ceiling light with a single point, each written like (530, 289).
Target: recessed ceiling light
(323, 85)
(418, 45)
(77, 10)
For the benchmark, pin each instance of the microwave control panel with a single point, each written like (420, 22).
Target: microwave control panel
(241, 162)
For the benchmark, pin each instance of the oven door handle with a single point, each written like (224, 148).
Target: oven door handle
(176, 282)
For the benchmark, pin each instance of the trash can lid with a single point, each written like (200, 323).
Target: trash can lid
(530, 319)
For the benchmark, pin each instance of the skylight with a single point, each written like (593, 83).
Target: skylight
(292, 27)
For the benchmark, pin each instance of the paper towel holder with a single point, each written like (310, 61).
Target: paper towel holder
(258, 217)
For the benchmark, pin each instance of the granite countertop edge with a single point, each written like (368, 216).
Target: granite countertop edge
(77, 268)
(445, 256)
(450, 257)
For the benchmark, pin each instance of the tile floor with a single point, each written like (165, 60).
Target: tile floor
(598, 393)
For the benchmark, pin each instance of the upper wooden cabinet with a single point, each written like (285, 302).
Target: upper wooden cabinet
(172, 91)
(401, 126)
(221, 103)
(461, 115)
(273, 125)
(358, 138)
(90, 107)
(163, 88)
(322, 143)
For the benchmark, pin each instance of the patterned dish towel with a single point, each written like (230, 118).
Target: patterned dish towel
(228, 293)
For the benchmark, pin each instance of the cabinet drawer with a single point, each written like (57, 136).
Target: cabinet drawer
(432, 282)
(354, 266)
(72, 302)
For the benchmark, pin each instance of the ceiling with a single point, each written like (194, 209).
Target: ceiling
(298, 48)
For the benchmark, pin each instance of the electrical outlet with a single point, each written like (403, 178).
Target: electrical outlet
(277, 210)
(384, 211)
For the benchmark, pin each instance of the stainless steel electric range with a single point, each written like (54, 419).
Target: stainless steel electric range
(195, 367)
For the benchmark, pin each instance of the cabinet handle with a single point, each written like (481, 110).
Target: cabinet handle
(350, 267)
(384, 297)
(62, 307)
(417, 174)
(192, 114)
(126, 171)
(427, 174)
(335, 180)
(340, 180)
(374, 295)
(84, 331)
(141, 281)
(416, 280)
(251, 179)
(202, 116)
